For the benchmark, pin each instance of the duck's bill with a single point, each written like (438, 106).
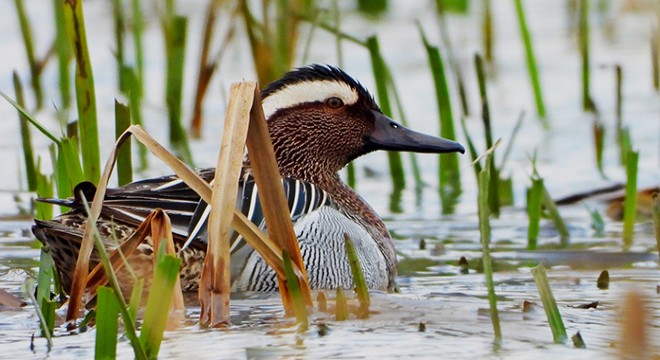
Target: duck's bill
(390, 135)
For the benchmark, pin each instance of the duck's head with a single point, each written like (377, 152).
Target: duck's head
(320, 119)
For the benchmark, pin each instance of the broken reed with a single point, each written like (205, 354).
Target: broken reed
(549, 305)
(448, 165)
(531, 63)
(630, 202)
(484, 179)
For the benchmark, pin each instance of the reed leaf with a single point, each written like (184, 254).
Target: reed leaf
(120, 30)
(484, 230)
(136, 297)
(341, 306)
(599, 144)
(44, 281)
(549, 305)
(358, 277)
(175, 51)
(63, 53)
(630, 202)
(85, 93)
(534, 210)
(69, 170)
(43, 211)
(26, 138)
(130, 77)
(124, 159)
(157, 311)
(297, 298)
(28, 42)
(107, 324)
(584, 39)
(531, 63)
(137, 30)
(448, 166)
(30, 119)
(29, 289)
(380, 76)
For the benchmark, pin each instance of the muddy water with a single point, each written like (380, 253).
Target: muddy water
(451, 305)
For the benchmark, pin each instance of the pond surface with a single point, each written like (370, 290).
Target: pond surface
(434, 291)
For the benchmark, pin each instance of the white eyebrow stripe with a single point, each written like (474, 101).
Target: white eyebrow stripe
(306, 92)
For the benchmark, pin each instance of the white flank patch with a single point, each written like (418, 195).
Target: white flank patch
(308, 91)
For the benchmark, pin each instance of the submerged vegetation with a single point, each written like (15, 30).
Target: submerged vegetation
(274, 34)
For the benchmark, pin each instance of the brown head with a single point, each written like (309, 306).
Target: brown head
(320, 119)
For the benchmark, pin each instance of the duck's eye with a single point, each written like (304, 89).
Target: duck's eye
(334, 102)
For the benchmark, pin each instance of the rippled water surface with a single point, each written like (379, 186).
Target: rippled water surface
(451, 305)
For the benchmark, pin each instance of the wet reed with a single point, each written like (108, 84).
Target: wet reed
(549, 305)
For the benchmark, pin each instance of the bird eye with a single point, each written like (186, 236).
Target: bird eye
(394, 125)
(334, 102)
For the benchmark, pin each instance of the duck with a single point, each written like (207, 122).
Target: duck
(319, 119)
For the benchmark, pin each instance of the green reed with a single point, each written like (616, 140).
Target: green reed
(551, 209)
(655, 209)
(130, 77)
(124, 160)
(175, 29)
(26, 138)
(341, 305)
(531, 63)
(487, 32)
(120, 30)
(494, 197)
(358, 277)
(448, 165)
(484, 179)
(85, 92)
(43, 322)
(160, 297)
(43, 295)
(549, 305)
(584, 39)
(598, 130)
(534, 211)
(630, 202)
(137, 30)
(64, 54)
(28, 42)
(655, 57)
(299, 307)
(380, 76)
(107, 324)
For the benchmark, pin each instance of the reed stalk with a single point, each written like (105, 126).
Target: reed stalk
(107, 325)
(137, 30)
(484, 231)
(630, 202)
(655, 201)
(448, 165)
(380, 76)
(299, 308)
(358, 277)
(655, 57)
(493, 193)
(44, 281)
(124, 160)
(29, 289)
(453, 64)
(120, 26)
(85, 93)
(584, 39)
(531, 63)
(598, 131)
(44, 189)
(488, 34)
(63, 53)
(534, 210)
(175, 51)
(26, 138)
(35, 67)
(549, 305)
(341, 306)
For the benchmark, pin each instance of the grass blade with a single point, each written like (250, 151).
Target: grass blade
(534, 196)
(380, 76)
(448, 166)
(107, 324)
(158, 304)
(85, 94)
(484, 230)
(630, 202)
(35, 68)
(549, 305)
(358, 278)
(26, 139)
(124, 160)
(531, 63)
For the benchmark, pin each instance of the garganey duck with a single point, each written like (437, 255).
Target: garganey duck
(319, 119)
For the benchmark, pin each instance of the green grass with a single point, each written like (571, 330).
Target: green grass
(484, 231)
(448, 165)
(531, 63)
(85, 91)
(630, 203)
(549, 305)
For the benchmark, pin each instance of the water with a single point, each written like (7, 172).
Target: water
(453, 307)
